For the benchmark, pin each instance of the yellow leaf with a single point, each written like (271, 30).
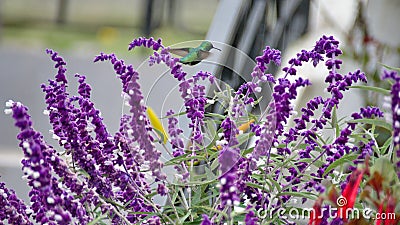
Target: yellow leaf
(244, 127)
(156, 123)
(218, 147)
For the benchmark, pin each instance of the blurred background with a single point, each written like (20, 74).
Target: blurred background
(79, 30)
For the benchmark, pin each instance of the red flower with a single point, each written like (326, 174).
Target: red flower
(380, 210)
(387, 216)
(391, 205)
(316, 214)
(349, 195)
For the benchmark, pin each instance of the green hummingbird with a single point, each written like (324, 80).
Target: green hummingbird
(192, 56)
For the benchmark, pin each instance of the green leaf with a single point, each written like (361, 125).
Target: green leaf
(222, 117)
(384, 167)
(391, 68)
(386, 145)
(210, 196)
(317, 163)
(376, 122)
(215, 164)
(239, 217)
(211, 128)
(335, 124)
(275, 183)
(84, 173)
(174, 196)
(97, 220)
(182, 219)
(182, 158)
(257, 101)
(370, 88)
(161, 135)
(197, 194)
(209, 174)
(339, 162)
(209, 209)
(247, 151)
(307, 195)
(242, 138)
(194, 222)
(174, 115)
(260, 187)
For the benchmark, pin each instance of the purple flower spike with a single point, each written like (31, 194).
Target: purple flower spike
(12, 208)
(251, 218)
(206, 220)
(229, 190)
(139, 126)
(50, 203)
(395, 94)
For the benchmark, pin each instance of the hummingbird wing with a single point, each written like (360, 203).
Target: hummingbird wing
(180, 51)
(203, 54)
(191, 59)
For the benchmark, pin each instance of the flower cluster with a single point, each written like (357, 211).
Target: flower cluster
(337, 83)
(259, 77)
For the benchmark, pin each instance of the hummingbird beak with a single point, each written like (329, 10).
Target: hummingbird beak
(217, 48)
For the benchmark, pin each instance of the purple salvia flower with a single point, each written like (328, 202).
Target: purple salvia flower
(154, 220)
(72, 129)
(339, 147)
(174, 133)
(230, 131)
(13, 209)
(192, 93)
(139, 124)
(148, 43)
(95, 155)
(284, 93)
(245, 169)
(228, 192)
(259, 76)
(206, 220)
(266, 137)
(229, 160)
(45, 194)
(177, 142)
(337, 83)
(162, 189)
(268, 55)
(366, 149)
(326, 45)
(229, 155)
(395, 94)
(251, 218)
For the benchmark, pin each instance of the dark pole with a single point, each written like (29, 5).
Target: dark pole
(62, 11)
(1, 22)
(171, 12)
(148, 17)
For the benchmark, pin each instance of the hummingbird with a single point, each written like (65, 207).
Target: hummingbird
(192, 56)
